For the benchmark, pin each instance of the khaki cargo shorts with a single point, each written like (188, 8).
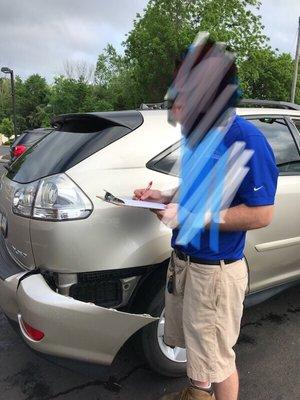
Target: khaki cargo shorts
(203, 314)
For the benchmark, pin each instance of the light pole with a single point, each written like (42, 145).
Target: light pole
(7, 70)
(295, 77)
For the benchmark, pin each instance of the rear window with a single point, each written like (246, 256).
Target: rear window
(74, 139)
(19, 139)
(32, 137)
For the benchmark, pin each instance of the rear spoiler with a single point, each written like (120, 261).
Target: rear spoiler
(129, 119)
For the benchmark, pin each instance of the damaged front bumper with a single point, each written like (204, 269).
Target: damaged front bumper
(72, 328)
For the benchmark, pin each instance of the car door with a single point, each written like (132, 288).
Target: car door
(273, 253)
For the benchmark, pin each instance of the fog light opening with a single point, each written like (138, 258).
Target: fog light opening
(31, 332)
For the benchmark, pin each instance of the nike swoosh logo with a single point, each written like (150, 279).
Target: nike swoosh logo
(256, 189)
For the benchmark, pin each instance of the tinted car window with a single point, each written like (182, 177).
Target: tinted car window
(66, 146)
(19, 139)
(32, 137)
(276, 132)
(282, 142)
(297, 123)
(167, 162)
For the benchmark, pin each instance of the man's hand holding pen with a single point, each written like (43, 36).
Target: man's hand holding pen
(148, 194)
(167, 216)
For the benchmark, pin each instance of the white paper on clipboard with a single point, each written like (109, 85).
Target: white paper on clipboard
(127, 201)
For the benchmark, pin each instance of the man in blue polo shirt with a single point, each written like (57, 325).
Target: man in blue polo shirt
(257, 189)
(205, 287)
(228, 185)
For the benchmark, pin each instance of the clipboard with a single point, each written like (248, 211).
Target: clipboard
(128, 202)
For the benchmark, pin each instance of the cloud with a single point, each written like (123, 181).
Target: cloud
(38, 36)
(280, 18)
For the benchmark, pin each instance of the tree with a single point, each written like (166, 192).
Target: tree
(232, 22)
(114, 78)
(167, 27)
(7, 127)
(68, 95)
(143, 73)
(79, 70)
(5, 98)
(21, 116)
(266, 74)
(156, 40)
(35, 94)
(109, 66)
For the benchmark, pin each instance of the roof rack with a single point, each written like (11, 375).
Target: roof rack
(245, 102)
(270, 104)
(154, 106)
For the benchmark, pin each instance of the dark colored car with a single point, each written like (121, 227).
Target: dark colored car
(26, 140)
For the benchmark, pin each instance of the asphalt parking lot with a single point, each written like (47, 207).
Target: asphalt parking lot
(268, 360)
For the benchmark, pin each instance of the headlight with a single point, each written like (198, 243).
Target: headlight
(55, 198)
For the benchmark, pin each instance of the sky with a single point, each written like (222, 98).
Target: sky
(39, 36)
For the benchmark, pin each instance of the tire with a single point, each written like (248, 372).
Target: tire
(151, 347)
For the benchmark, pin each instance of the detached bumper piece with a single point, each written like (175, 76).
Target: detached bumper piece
(61, 326)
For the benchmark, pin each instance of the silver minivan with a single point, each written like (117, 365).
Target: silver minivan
(80, 276)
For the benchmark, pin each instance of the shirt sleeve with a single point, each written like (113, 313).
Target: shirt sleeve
(259, 185)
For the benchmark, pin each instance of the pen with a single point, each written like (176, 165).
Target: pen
(147, 188)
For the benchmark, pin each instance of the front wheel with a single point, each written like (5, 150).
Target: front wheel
(161, 358)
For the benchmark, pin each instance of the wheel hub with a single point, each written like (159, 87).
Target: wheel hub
(176, 354)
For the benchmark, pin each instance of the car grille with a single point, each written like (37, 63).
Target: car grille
(105, 294)
(103, 288)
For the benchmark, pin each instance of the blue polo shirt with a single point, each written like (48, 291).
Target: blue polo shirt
(258, 188)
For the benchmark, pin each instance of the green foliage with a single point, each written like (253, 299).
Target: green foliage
(5, 98)
(33, 94)
(109, 65)
(152, 46)
(7, 127)
(232, 22)
(68, 95)
(114, 77)
(169, 26)
(143, 73)
(266, 74)
(36, 92)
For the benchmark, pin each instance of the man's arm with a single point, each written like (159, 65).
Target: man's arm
(238, 218)
(244, 218)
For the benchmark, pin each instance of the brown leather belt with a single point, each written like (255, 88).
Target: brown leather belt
(185, 257)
